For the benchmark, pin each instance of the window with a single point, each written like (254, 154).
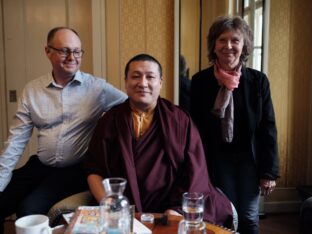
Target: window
(253, 13)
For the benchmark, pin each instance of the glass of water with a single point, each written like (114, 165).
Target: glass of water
(193, 211)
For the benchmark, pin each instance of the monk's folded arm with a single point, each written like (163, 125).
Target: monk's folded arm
(96, 186)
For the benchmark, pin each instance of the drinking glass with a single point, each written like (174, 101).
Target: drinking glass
(193, 211)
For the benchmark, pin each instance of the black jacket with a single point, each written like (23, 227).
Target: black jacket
(260, 118)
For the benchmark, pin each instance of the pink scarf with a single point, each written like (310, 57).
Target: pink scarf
(224, 106)
(230, 79)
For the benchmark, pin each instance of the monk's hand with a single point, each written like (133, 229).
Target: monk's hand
(172, 212)
(267, 186)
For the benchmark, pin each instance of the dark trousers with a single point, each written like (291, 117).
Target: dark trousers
(35, 188)
(236, 176)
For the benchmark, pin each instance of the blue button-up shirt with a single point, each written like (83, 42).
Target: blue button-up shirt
(64, 116)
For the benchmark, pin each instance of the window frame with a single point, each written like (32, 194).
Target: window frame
(250, 11)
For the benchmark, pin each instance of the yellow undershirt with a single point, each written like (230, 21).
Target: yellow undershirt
(141, 122)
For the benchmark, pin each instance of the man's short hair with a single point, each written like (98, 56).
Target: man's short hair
(54, 30)
(143, 57)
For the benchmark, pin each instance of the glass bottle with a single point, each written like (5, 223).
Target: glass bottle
(193, 211)
(114, 208)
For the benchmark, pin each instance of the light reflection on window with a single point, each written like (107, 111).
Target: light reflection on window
(253, 14)
(258, 27)
(257, 54)
(246, 3)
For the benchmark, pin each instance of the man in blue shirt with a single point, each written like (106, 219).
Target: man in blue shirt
(64, 106)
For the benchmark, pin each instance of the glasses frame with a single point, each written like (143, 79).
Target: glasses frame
(65, 52)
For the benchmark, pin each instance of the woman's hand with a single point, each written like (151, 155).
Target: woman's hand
(267, 186)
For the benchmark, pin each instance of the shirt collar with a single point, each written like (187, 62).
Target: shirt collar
(49, 82)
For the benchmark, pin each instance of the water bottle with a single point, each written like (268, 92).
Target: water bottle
(193, 211)
(114, 208)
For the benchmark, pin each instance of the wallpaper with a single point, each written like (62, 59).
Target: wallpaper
(141, 26)
(290, 77)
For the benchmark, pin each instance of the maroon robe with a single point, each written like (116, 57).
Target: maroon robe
(165, 162)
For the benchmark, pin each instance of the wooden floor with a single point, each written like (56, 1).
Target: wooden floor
(280, 224)
(272, 224)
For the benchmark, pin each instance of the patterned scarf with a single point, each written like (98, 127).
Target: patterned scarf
(224, 105)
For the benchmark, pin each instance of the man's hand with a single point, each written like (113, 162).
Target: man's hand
(267, 186)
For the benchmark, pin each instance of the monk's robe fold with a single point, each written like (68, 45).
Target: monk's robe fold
(160, 166)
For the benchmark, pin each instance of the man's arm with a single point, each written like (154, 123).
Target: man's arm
(96, 186)
(20, 133)
(112, 96)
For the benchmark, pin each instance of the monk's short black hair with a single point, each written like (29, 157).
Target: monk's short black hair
(143, 57)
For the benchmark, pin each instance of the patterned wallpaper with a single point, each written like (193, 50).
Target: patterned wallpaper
(278, 74)
(300, 88)
(290, 76)
(144, 26)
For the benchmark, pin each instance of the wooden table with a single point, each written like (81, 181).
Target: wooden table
(172, 226)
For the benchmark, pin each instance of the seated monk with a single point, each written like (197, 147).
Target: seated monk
(155, 146)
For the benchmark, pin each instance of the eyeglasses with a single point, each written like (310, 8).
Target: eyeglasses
(65, 52)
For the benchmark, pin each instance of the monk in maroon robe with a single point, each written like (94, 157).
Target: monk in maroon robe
(160, 152)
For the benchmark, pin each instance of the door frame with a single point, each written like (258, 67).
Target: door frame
(3, 107)
(99, 38)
